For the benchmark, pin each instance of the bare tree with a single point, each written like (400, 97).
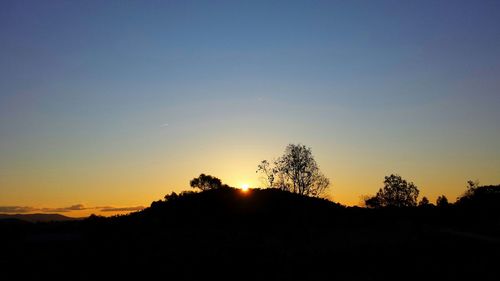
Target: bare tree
(295, 171)
(265, 168)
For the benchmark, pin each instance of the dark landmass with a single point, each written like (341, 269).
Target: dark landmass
(36, 217)
(261, 235)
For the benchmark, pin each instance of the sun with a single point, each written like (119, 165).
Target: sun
(245, 187)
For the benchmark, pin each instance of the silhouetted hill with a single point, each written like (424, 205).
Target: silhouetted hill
(226, 234)
(231, 204)
(37, 217)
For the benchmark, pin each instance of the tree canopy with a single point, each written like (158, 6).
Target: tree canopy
(424, 202)
(206, 182)
(480, 196)
(442, 201)
(396, 192)
(295, 171)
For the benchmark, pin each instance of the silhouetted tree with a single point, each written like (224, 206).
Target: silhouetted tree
(470, 190)
(206, 182)
(396, 192)
(442, 201)
(295, 171)
(485, 197)
(373, 202)
(268, 171)
(424, 202)
(171, 197)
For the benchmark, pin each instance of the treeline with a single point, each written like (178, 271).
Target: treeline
(397, 192)
(298, 172)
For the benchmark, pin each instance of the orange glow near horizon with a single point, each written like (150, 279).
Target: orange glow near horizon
(245, 187)
(170, 91)
(152, 175)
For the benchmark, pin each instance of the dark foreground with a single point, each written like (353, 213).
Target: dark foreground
(262, 235)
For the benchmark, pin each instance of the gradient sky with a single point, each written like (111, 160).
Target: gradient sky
(117, 103)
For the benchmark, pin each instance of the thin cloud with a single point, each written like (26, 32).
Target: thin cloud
(121, 209)
(77, 207)
(17, 209)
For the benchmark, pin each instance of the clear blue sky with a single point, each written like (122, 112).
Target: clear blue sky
(121, 102)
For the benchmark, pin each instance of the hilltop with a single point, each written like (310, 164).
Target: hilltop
(259, 235)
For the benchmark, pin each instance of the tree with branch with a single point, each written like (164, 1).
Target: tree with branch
(295, 171)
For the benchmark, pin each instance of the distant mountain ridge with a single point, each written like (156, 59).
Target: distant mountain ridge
(37, 217)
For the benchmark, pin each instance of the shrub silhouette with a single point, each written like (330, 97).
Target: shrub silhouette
(373, 202)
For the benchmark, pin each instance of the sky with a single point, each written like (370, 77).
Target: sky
(106, 106)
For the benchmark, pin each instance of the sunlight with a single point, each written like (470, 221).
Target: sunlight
(245, 187)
